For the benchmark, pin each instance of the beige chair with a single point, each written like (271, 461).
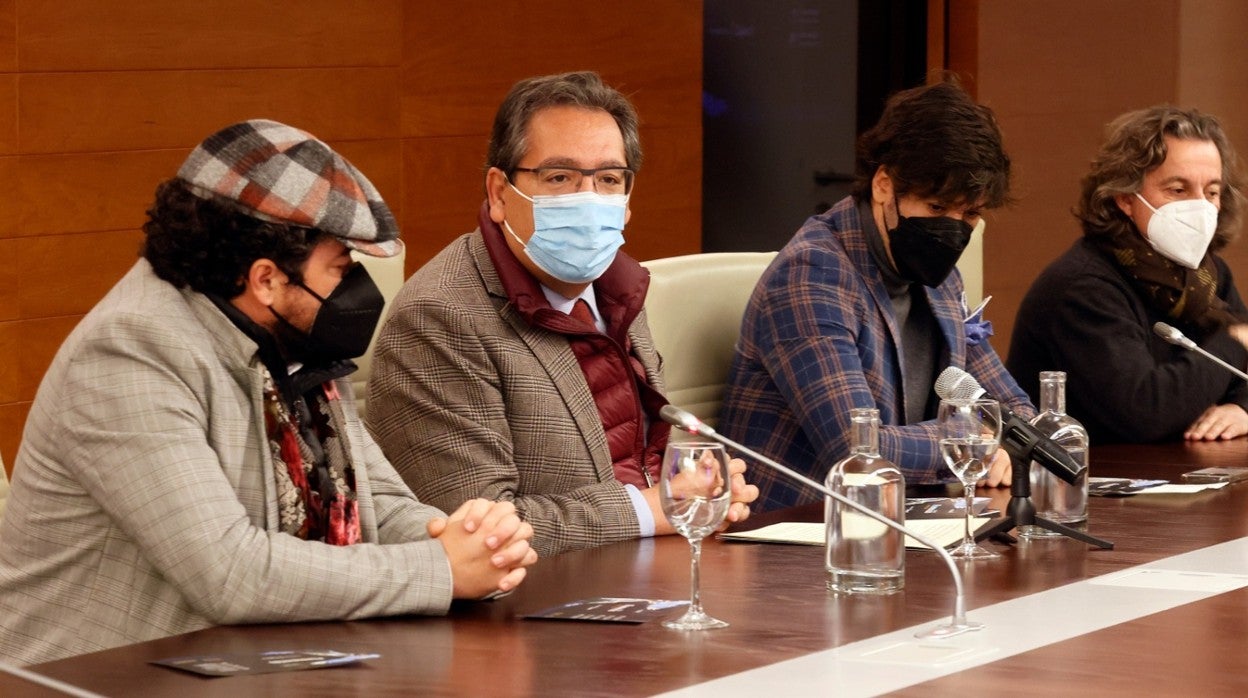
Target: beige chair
(388, 274)
(694, 305)
(971, 265)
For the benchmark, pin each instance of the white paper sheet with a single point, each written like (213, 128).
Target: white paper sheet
(947, 532)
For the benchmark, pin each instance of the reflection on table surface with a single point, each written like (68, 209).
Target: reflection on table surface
(774, 597)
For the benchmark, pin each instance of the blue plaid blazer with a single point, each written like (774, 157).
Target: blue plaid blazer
(818, 339)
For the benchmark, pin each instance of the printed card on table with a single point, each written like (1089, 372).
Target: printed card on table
(610, 610)
(262, 662)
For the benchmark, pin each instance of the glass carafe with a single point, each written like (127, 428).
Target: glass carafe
(864, 556)
(1053, 498)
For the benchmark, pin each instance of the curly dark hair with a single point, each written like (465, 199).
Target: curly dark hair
(935, 141)
(209, 245)
(1137, 146)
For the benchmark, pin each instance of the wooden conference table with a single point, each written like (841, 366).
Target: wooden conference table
(775, 598)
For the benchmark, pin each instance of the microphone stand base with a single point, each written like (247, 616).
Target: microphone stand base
(1021, 512)
(949, 629)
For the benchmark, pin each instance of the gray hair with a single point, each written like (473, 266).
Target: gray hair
(527, 97)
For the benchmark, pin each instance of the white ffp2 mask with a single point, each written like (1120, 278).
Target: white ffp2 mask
(1182, 230)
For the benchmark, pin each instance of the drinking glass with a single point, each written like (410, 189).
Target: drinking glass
(969, 433)
(695, 490)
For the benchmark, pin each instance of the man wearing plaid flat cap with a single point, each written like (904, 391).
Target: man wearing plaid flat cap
(194, 456)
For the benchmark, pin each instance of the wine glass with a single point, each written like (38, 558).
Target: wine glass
(695, 490)
(969, 433)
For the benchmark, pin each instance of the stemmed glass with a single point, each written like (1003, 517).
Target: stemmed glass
(969, 433)
(694, 488)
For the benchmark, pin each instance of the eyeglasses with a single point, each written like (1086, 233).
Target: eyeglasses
(567, 180)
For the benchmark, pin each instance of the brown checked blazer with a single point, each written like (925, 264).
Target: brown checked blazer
(144, 505)
(468, 400)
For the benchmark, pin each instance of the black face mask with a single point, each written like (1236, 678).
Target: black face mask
(926, 249)
(343, 326)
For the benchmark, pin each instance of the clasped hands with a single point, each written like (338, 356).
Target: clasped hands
(487, 545)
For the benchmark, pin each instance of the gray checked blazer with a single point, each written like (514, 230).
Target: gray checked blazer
(143, 500)
(468, 400)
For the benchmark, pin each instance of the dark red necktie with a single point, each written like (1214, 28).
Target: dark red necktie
(581, 311)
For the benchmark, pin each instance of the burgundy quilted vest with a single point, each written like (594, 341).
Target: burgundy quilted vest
(616, 378)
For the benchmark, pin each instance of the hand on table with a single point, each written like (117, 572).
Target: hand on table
(1000, 473)
(1218, 422)
(743, 494)
(487, 545)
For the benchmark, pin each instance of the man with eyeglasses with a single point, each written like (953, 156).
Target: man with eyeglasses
(517, 364)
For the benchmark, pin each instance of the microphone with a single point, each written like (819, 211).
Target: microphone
(1174, 336)
(686, 421)
(1019, 438)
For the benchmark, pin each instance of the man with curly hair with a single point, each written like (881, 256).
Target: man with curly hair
(1162, 197)
(194, 457)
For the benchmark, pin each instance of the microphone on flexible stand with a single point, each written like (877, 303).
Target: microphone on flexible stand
(682, 419)
(1174, 336)
(1018, 437)
(1025, 443)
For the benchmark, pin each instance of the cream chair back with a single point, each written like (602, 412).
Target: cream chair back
(694, 306)
(388, 274)
(971, 266)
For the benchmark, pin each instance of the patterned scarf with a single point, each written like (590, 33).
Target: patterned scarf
(316, 486)
(1185, 296)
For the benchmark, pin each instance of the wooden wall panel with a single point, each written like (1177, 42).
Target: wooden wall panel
(8, 36)
(1054, 79)
(163, 35)
(10, 287)
(9, 178)
(37, 342)
(8, 114)
(1056, 76)
(67, 274)
(471, 54)
(12, 419)
(1213, 55)
(101, 99)
(450, 97)
(444, 185)
(176, 109)
(10, 372)
(668, 191)
(28, 346)
(82, 192)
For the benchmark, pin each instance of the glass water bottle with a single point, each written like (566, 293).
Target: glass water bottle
(864, 556)
(1053, 498)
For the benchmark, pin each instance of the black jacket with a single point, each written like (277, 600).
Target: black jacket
(1123, 382)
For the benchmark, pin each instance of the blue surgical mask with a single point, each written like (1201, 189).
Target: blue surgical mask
(575, 236)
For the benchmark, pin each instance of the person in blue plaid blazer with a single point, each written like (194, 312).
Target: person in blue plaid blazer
(864, 308)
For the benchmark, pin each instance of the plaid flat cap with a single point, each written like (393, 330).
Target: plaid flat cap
(281, 174)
